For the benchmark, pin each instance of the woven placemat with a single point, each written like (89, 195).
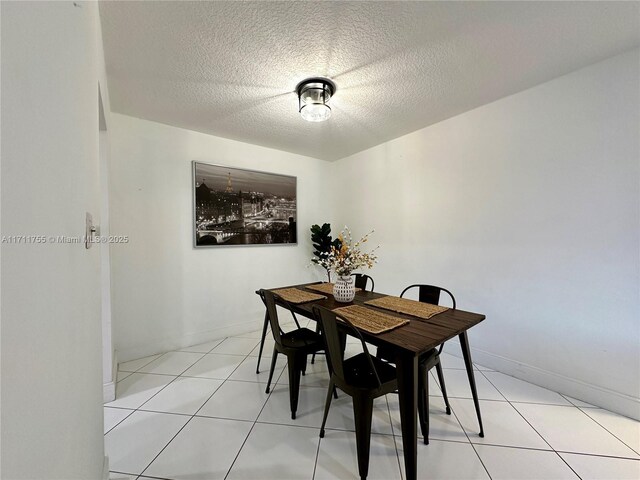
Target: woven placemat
(295, 295)
(370, 320)
(324, 288)
(410, 307)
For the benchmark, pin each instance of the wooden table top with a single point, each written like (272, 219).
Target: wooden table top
(417, 337)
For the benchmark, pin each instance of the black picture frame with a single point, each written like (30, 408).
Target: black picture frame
(241, 207)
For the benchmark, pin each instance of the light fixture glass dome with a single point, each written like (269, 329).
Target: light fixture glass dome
(313, 98)
(315, 112)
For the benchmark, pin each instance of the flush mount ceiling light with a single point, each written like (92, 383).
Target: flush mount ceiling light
(313, 98)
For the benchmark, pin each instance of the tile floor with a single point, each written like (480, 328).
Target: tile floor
(202, 413)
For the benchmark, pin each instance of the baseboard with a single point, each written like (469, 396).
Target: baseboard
(105, 468)
(593, 394)
(168, 344)
(109, 389)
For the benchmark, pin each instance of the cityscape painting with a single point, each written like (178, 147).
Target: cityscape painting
(233, 206)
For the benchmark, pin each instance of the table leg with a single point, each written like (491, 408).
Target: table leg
(407, 371)
(466, 354)
(262, 339)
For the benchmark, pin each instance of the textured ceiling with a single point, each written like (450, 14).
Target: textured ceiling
(230, 68)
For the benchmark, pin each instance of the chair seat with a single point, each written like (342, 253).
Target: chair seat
(357, 372)
(303, 339)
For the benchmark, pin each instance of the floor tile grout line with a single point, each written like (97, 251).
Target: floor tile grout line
(534, 429)
(191, 417)
(137, 475)
(518, 447)
(128, 415)
(395, 442)
(151, 476)
(315, 463)
(499, 445)
(165, 413)
(254, 358)
(505, 399)
(614, 435)
(453, 412)
(519, 402)
(139, 408)
(167, 444)
(119, 408)
(232, 354)
(176, 378)
(149, 373)
(540, 403)
(214, 417)
(250, 430)
(567, 464)
(529, 383)
(497, 389)
(519, 413)
(333, 429)
(142, 366)
(575, 404)
(552, 405)
(220, 379)
(128, 374)
(180, 375)
(223, 382)
(480, 459)
(182, 371)
(207, 352)
(598, 455)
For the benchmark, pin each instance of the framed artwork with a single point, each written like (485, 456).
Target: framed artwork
(234, 206)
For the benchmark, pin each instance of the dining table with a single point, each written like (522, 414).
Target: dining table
(406, 343)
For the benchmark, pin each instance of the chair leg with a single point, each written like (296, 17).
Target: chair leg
(313, 357)
(330, 368)
(363, 412)
(468, 364)
(443, 387)
(273, 367)
(295, 369)
(327, 404)
(303, 366)
(423, 403)
(262, 339)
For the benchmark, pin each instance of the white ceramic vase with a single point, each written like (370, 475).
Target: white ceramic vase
(344, 290)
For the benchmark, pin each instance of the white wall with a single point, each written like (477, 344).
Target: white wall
(166, 294)
(109, 361)
(109, 372)
(528, 210)
(51, 334)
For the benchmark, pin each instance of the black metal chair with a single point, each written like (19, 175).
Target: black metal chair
(362, 377)
(427, 294)
(296, 345)
(362, 280)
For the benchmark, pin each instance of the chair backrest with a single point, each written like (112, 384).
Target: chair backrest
(430, 294)
(361, 281)
(329, 325)
(269, 300)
